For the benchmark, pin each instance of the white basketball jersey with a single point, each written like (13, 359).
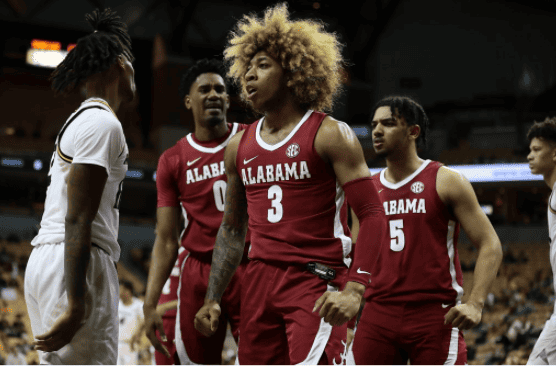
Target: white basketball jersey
(552, 231)
(92, 135)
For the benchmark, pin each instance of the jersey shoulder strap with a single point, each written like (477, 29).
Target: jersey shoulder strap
(65, 157)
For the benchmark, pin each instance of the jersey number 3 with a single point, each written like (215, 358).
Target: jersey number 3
(397, 237)
(277, 211)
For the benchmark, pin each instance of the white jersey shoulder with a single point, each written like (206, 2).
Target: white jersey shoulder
(92, 135)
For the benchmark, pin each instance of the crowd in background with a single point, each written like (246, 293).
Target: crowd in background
(521, 300)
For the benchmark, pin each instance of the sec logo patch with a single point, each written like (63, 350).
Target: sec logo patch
(292, 151)
(417, 187)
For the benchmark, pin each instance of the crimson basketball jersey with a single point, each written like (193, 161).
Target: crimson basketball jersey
(170, 289)
(191, 173)
(297, 210)
(419, 258)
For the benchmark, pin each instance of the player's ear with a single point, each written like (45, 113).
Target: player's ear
(187, 101)
(415, 131)
(121, 61)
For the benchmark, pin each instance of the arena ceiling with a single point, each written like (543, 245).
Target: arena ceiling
(193, 28)
(189, 27)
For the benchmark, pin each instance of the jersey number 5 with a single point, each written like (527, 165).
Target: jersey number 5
(397, 237)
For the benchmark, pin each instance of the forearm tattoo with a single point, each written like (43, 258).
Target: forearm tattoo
(226, 257)
(230, 241)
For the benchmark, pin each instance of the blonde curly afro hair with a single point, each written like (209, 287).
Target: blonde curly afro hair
(310, 56)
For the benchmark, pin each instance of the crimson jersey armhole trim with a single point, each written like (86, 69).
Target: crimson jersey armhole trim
(447, 209)
(315, 137)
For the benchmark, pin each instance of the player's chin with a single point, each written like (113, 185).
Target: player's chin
(381, 152)
(215, 119)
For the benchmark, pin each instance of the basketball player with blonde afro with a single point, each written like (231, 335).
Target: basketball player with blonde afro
(309, 56)
(290, 176)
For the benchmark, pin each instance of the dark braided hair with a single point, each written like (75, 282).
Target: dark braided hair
(200, 67)
(95, 52)
(412, 111)
(545, 130)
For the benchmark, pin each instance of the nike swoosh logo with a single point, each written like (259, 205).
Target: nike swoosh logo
(189, 163)
(360, 271)
(245, 162)
(381, 190)
(444, 306)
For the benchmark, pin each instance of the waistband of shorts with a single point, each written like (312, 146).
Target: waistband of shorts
(60, 242)
(101, 248)
(301, 267)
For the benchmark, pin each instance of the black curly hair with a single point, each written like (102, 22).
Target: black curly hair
(95, 52)
(545, 130)
(200, 67)
(412, 111)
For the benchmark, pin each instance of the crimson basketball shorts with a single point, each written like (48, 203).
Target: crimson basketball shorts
(392, 334)
(192, 346)
(278, 325)
(169, 325)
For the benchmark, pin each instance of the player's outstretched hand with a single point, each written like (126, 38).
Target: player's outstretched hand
(153, 322)
(338, 307)
(464, 316)
(206, 319)
(61, 333)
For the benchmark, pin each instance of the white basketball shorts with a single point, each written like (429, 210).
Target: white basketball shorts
(544, 352)
(96, 342)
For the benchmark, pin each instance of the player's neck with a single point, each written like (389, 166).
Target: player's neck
(209, 133)
(127, 301)
(402, 166)
(98, 89)
(283, 116)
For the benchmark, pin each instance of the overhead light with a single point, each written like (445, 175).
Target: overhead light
(12, 162)
(45, 58)
(40, 44)
(37, 164)
(135, 174)
(483, 173)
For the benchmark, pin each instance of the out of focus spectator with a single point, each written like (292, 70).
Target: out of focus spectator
(509, 257)
(12, 238)
(15, 356)
(141, 258)
(17, 328)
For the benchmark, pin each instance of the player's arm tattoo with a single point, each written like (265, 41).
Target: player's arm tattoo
(230, 241)
(85, 185)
